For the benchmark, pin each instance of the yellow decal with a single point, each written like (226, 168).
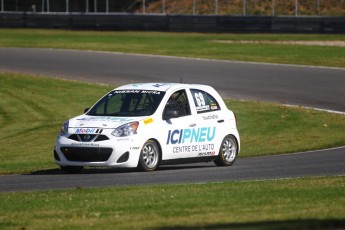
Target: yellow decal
(148, 121)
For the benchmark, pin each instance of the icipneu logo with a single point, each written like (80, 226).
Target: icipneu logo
(194, 135)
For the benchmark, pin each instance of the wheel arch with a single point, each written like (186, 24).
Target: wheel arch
(236, 137)
(160, 148)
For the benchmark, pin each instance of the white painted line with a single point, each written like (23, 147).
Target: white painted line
(298, 153)
(317, 109)
(218, 60)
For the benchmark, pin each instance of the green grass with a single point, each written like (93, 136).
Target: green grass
(185, 44)
(307, 203)
(268, 129)
(31, 113)
(32, 110)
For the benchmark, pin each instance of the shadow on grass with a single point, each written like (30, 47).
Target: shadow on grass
(312, 224)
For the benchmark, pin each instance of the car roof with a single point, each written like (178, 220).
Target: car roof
(159, 86)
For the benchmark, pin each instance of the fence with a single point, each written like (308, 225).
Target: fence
(182, 7)
(174, 23)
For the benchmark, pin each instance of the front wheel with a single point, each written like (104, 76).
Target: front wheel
(228, 151)
(149, 156)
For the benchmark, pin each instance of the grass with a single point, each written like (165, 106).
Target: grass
(31, 113)
(32, 110)
(268, 129)
(306, 203)
(186, 45)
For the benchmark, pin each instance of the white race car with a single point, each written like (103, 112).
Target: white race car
(150, 124)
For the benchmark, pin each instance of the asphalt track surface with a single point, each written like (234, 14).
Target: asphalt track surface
(297, 85)
(288, 84)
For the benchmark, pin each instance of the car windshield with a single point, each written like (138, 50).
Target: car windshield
(132, 103)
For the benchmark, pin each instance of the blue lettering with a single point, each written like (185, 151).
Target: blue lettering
(202, 134)
(168, 140)
(84, 131)
(209, 137)
(186, 135)
(172, 140)
(191, 135)
(179, 141)
(195, 135)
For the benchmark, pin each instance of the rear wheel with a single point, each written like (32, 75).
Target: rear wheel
(72, 169)
(149, 156)
(228, 151)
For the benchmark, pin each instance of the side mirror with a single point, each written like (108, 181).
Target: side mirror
(170, 113)
(86, 110)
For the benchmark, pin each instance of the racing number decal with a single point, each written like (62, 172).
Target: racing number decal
(199, 99)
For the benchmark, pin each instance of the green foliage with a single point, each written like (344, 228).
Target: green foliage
(309, 203)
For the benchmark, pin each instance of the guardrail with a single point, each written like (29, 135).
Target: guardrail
(174, 23)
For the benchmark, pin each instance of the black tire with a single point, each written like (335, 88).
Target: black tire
(228, 151)
(72, 169)
(150, 156)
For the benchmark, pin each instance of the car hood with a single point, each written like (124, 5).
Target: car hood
(104, 122)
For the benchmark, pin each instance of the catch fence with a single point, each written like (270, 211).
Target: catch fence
(182, 7)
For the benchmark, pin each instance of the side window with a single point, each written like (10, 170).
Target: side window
(178, 101)
(204, 102)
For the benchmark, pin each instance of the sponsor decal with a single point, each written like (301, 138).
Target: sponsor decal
(200, 102)
(134, 148)
(124, 139)
(210, 117)
(214, 106)
(85, 144)
(138, 91)
(85, 131)
(105, 119)
(203, 108)
(148, 121)
(127, 91)
(202, 148)
(151, 92)
(207, 154)
(194, 135)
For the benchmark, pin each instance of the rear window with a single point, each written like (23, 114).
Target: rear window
(204, 102)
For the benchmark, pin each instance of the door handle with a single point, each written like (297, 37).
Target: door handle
(220, 121)
(192, 125)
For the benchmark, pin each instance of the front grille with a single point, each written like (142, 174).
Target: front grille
(90, 137)
(74, 137)
(102, 138)
(86, 154)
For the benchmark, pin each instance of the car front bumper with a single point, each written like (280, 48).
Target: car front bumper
(115, 152)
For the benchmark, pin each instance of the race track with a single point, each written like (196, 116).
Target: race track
(298, 85)
(319, 163)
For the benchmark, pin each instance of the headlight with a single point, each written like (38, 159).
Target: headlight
(126, 130)
(64, 128)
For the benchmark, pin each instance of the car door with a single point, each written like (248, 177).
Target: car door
(176, 127)
(210, 124)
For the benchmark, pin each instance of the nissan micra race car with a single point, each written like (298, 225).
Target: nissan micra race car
(147, 125)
